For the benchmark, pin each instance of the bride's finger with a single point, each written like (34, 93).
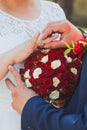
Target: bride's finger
(10, 85)
(16, 76)
(41, 43)
(36, 38)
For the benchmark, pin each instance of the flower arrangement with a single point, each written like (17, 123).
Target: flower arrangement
(54, 73)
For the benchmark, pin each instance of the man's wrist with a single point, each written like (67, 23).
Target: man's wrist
(84, 33)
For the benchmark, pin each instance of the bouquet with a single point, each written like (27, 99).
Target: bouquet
(54, 73)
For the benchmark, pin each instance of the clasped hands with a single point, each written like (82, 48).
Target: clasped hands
(20, 93)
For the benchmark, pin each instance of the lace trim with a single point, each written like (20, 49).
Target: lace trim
(20, 19)
(10, 24)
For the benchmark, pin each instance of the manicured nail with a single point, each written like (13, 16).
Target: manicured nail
(10, 67)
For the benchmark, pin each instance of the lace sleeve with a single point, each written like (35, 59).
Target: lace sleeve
(54, 11)
(60, 12)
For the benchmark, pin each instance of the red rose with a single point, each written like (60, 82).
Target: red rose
(45, 82)
(55, 77)
(79, 49)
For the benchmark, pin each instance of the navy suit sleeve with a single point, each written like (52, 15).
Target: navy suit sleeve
(40, 115)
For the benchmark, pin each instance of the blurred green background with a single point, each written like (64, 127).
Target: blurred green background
(75, 10)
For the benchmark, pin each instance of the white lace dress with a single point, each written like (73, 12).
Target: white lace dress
(13, 31)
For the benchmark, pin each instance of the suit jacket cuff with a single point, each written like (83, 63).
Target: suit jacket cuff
(27, 118)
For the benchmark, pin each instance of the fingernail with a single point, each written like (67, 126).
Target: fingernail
(40, 36)
(10, 67)
(46, 46)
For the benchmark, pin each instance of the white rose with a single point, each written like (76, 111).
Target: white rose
(26, 74)
(55, 64)
(45, 50)
(74, 70)
(56, 81)
(44, 59)
(28, 84)
(37, 72)
(54, 94)
(69, 59)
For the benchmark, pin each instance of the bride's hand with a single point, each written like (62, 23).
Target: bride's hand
(51, 39)
(23, 51)
(17, 55)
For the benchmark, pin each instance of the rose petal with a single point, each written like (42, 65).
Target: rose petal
(28, 84)
(55, 64)
(54, 94)
(74, 70)
(26, 74)
(44, 59)
(37, 72)
(56, 81)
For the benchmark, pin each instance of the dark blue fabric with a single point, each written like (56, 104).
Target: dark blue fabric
(40, 115)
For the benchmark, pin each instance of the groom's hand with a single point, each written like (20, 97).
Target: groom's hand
(67, 30)
(20, 93)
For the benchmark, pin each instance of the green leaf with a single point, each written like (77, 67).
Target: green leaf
(73, 44)
(67, 45)
(84, 43)
(67, 51)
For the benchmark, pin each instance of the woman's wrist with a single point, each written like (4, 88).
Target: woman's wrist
(10, 58)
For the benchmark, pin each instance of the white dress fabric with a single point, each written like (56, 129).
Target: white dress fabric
(14, 31)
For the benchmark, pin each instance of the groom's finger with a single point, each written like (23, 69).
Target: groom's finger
(10, 85)
(16, 76)
(53, 27)
(41, 43)
(55, 44)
